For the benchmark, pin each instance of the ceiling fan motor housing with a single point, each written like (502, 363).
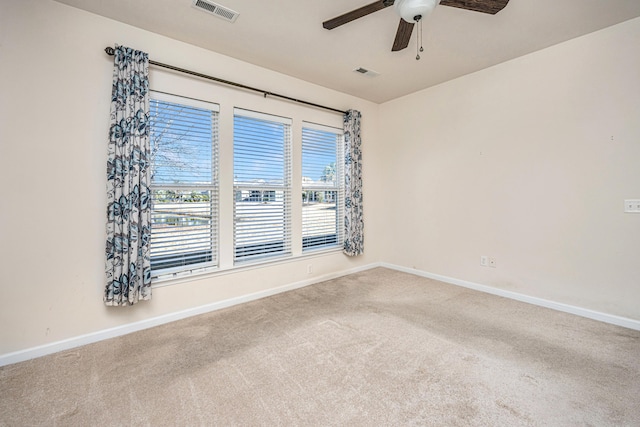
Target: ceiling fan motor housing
(413, 10)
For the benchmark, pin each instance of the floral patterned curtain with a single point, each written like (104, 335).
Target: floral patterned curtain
(353, 220)
(128, 265)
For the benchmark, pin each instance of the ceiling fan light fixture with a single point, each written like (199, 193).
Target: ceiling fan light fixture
(414, 10)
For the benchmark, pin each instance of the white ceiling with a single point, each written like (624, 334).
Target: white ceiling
(287, 36)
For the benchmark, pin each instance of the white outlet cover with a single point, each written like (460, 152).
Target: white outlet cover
(632, 205)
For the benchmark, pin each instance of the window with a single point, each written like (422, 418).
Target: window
(262, 185)
(184, 187)
(322, 187)
(187, 212)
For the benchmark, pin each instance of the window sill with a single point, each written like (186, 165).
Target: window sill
(242, 267)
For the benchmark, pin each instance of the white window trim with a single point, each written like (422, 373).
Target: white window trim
(214, 187)
(339, 188)
(285, 187)
(185, 100)
(290, 115)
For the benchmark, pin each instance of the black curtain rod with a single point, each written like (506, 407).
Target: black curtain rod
(110, 51)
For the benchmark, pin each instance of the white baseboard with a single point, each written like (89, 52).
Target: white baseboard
(67, 344)
(43, 350)
(579, 311)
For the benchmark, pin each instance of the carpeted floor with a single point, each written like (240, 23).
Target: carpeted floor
(374, 348)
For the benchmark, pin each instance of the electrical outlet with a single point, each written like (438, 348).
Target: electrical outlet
(492, 262)
(309, 269)
(632, 205)
(484, 260)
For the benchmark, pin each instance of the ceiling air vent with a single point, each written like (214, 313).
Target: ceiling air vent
(365, 72)
(217, 10)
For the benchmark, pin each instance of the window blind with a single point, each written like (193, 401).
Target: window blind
(184, 167)
(262, 185)
(322, 187)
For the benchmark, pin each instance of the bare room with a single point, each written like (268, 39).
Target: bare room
(242, 212)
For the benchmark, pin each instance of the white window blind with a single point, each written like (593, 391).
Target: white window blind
(262, 185)
(322, 187)
(184, 169)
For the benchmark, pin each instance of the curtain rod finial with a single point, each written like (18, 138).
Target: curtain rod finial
(109, 50)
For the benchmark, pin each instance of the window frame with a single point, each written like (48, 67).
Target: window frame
(263, 251)
(213, 187)
(338, 187)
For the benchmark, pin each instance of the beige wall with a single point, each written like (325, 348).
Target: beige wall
(55, 86)
(528, 162)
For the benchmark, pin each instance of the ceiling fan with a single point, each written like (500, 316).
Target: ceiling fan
(412, 11)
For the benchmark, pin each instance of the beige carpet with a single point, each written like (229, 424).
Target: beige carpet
(374, 348)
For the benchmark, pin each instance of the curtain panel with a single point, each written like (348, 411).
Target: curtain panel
(353, 219)
(128, 265)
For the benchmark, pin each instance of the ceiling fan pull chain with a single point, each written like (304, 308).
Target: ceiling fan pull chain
(419, 38)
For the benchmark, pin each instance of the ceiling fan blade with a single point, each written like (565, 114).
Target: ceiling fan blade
(484, 6)
(403, 35)
(355, 14)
